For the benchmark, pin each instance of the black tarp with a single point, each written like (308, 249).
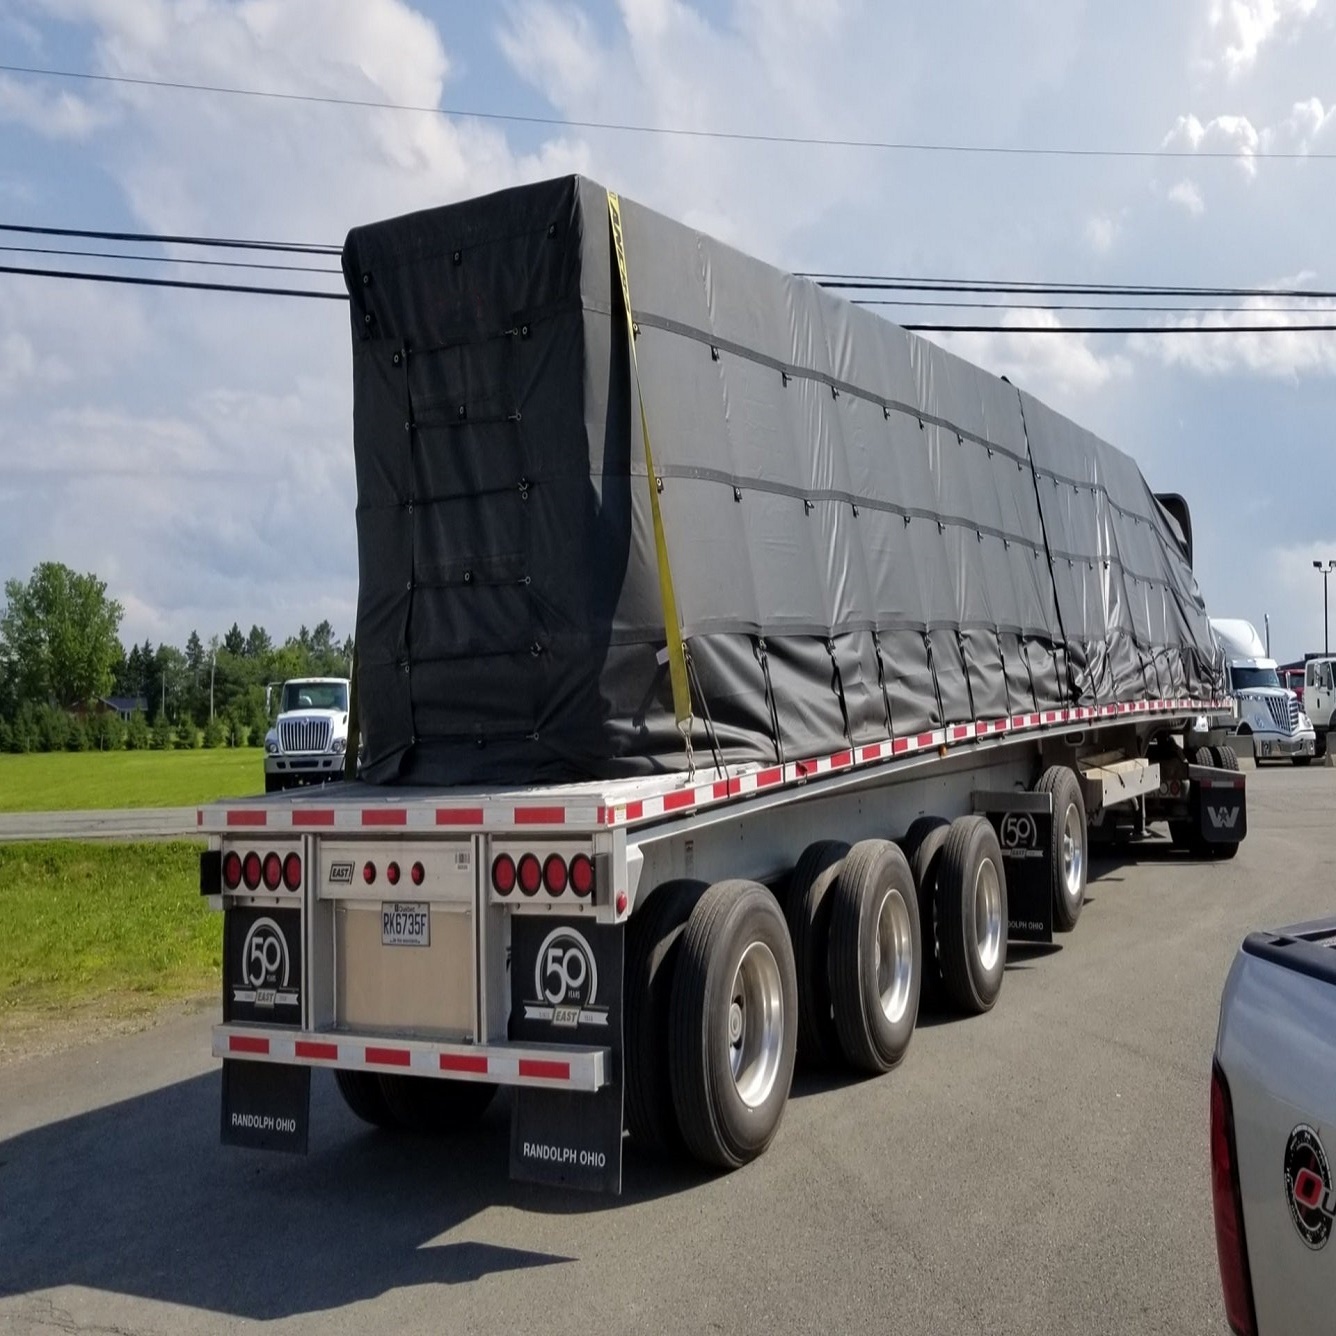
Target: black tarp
(868, 535)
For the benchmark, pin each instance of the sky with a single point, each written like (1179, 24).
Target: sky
(194, 450)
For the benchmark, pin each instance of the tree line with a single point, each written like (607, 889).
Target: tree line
(62, 660)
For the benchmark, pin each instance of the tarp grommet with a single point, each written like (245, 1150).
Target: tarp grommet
(535, 649)
(366, 280)
(397, 358)
(737, 494)
(458, 257)
(468, 577)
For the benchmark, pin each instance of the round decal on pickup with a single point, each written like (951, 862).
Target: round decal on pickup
(1308, 1186)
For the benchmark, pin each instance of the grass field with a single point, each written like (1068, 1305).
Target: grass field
(82, 781)
(121, 925)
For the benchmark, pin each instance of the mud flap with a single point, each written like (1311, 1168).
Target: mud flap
(1218, 804)
(1024, 826)
(566, 987)
(266, 1106)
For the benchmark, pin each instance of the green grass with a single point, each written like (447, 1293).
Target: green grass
(79, 781)
(116, 924)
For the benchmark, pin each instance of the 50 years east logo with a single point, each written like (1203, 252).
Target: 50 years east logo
(264, 968)
(565, 982)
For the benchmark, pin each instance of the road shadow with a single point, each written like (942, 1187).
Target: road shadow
(139, 1198)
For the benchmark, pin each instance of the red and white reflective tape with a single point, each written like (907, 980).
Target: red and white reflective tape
(490, 814)
(551, 1067)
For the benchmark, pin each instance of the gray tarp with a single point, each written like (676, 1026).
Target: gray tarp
(867, 535)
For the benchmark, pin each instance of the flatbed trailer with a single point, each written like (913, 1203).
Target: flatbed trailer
(656, 953)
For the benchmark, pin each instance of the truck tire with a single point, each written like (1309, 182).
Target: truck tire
(1069, 847)
(732, 1034)
(922, 846)
(807, 911)
(1203, 756)
(432, 1106)
(362, 1093)
(875, 956)
(652, 940)
(1224, 758)
(972, 915)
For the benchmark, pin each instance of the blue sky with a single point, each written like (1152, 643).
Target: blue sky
(194, 449)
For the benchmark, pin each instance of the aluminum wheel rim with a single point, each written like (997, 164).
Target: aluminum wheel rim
(988, 913)
(1073, 855)
(895, 955)
(755, 1024)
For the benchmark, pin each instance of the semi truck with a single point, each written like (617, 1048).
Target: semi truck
(1270, 722)
(1273, 1108)
(735, 671)
(309, 739)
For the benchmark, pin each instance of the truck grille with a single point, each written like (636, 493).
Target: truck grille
(304, 735)
(1285, 711)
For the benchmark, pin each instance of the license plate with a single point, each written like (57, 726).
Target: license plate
(405, 925)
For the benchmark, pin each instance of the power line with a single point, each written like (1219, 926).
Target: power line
(170, 259)
(1064, 289)
(138, 280)
(1081, 306)
(621, 127)
(301, 248)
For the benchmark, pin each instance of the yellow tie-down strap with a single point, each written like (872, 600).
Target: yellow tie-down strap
(672, 627)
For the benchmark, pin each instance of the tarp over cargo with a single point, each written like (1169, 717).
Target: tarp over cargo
(867, 535)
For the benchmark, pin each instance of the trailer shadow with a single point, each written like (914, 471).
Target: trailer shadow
(139, 1198)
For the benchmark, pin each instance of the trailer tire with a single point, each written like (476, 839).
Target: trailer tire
(1069, 845)
(363, 1095)
(807, 911)
(972, 915)
(733, 1036)
(435, 1106)
(653, 937)
(922, 846)
(1224, 758)
(875, 956)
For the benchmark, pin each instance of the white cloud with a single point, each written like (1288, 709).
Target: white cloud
(1299, 132)
(1222, 134)
(1242, 27)
(22, 369)
(1101, 232)
(54, 115)
(1187, 195)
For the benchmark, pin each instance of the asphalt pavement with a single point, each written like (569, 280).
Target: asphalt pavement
(138, 823)
(1041, 1169)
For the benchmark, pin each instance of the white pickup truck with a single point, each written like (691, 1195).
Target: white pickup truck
(1273, 1133)
(308, 741)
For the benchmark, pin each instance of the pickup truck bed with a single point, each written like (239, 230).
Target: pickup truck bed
(1276, 1061)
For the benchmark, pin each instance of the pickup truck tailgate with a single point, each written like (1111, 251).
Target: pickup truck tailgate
(1277, 1049)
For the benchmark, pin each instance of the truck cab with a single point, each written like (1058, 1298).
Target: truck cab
(309, 739)
(1320, 696)
(1271, 723)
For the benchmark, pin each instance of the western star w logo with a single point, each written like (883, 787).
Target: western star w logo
(1222, 818)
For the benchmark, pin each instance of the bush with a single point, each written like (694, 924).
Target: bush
(51, 727)
(215, 735)
(106, 732)
(76, 736)
(136, 732)
(160, 736)
(187, 735)
(6, 736)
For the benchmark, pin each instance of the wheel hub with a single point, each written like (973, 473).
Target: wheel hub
(755, 1024)
(988, 913)
(893, 954)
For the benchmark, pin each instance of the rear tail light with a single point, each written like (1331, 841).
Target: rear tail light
(1230, 1244)
(419, 874)
(368, 873)
(530, 875)
(554, 874)
(582, 875)
(250, 871)
(503, 874)
(392, 874)
(292, 872)
(273, 871)
(232, 870)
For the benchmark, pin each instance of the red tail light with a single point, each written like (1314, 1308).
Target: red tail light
(530, 874)
(419, 874)
(368, 873)
(232, 870)
(554, 874)
(503, 874)
(392, 874)
(292, 872)
(250, 870)
(1230, 1244)
(582, 875)
(273, 871)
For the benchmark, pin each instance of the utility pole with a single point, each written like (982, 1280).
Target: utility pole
(1266, 620)
(213, 664)
(1325, 570)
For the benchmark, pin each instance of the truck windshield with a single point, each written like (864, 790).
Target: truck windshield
(315, 696)
(1246, 679)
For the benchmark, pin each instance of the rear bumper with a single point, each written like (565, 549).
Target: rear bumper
(544, 1066)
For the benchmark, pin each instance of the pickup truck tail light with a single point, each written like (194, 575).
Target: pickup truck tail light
(1230, 1244)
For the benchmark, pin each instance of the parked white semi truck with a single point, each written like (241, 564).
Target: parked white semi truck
(1270, 722)
(309, 740)
(684, 764)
